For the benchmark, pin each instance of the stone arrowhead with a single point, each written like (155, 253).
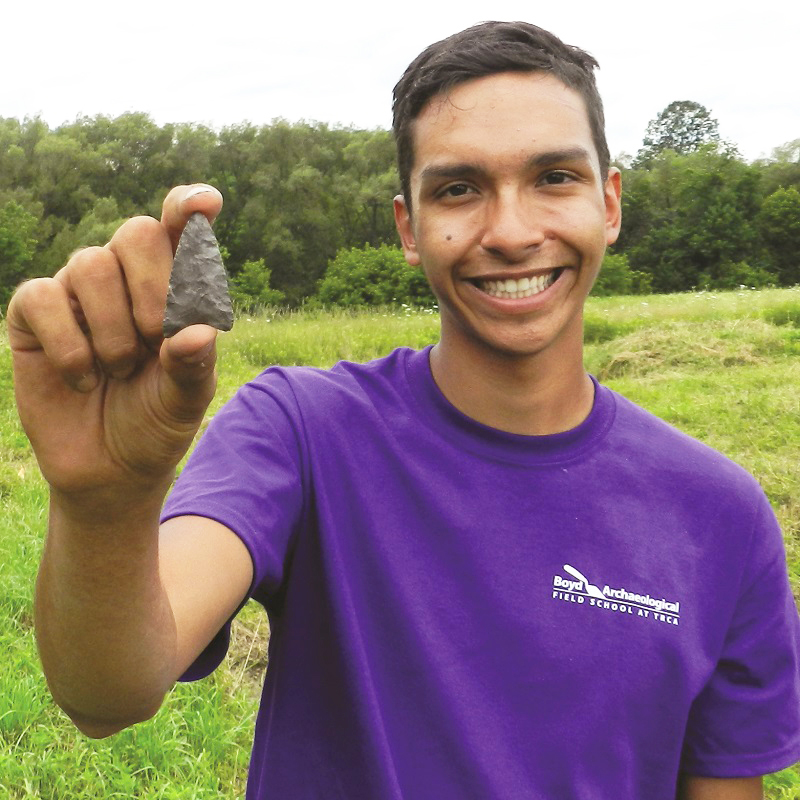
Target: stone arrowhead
(198, 285)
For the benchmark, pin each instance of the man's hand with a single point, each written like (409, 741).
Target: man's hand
(109, 406)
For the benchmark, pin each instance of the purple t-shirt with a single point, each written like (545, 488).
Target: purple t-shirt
(461, 612)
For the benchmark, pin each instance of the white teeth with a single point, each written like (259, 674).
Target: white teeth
(514, 290)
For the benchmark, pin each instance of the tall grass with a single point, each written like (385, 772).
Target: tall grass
(722, 366)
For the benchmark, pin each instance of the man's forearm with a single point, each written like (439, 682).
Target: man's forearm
(697, 788)
(104, 625)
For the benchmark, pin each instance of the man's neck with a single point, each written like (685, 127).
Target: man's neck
(529, 396)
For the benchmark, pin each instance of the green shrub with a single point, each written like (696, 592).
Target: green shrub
(616, 277)
(371, 276)
(250, 289)
(737, 276)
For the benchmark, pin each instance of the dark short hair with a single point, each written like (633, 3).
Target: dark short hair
(487, 49)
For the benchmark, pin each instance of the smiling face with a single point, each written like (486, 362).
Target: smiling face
(511, 216)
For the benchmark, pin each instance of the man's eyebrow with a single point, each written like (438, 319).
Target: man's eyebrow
(450, 171)
(555, 156)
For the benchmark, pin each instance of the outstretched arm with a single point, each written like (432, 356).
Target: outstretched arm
(697, 788)
(110, 408)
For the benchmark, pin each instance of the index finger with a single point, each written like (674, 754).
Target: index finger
(182, 202)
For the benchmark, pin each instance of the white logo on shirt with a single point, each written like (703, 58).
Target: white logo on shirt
(578, 589)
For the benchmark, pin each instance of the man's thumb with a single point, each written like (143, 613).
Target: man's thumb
(188, 360)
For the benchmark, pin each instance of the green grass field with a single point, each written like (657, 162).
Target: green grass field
(724, 367)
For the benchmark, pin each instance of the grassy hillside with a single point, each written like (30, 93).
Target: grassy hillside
(723, 367)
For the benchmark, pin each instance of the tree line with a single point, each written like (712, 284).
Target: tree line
(308, 212)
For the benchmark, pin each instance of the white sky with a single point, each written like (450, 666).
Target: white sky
(336, 62)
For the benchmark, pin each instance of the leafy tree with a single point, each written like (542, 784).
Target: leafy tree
(782, 169)
(130, 152)
(297, 194)
(788, 153)
(689, 219)
(96, 228)
(17, 246)
(366, 187)
(373, 276)
(12, 156)
(683, 127)
(65, 174)
(779, 222)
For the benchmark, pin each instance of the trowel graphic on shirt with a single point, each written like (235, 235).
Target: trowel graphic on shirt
(591, 589)
(578, 589)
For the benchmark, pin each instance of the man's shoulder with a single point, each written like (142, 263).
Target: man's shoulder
(390, 367)
(661, 445)
(331, 391)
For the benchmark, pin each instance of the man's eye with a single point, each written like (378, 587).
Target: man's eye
(556, 178)
(456, 190)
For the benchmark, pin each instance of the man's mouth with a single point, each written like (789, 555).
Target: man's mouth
(515, 289)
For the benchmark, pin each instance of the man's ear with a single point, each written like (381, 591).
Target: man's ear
(402, 219)
(612, 192)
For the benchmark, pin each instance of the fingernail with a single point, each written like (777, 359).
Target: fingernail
(199, 357)
(201, 189)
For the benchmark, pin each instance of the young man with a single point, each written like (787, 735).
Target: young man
(487, 576)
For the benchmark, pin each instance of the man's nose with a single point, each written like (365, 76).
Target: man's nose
(512, 226)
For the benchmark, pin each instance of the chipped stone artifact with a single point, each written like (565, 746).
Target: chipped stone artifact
(198, 285)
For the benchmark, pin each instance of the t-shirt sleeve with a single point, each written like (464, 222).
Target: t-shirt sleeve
(246, 472)
(746, 721)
